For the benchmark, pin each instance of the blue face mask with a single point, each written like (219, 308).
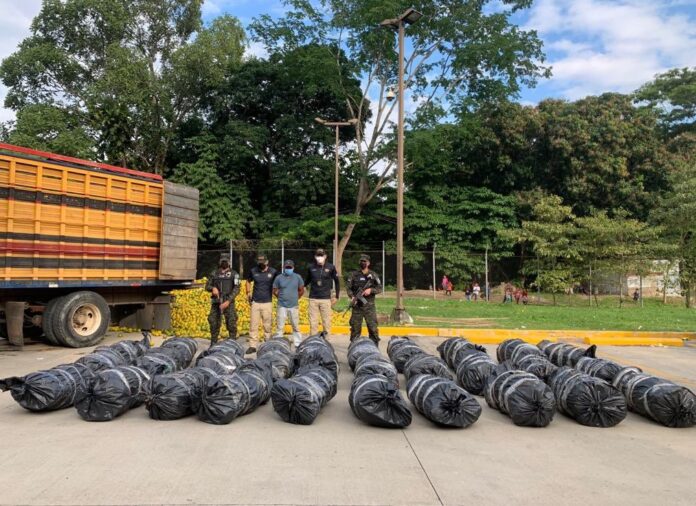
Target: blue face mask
(288, 272)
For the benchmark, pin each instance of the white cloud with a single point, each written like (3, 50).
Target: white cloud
(256, 49)
(612, 45)
(15, 25)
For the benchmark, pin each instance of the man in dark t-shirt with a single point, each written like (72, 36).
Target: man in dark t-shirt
(261, 300)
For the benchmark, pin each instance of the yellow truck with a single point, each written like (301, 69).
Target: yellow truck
(84, 243)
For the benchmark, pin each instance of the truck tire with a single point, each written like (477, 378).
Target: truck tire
(47, 321)
(81, 319)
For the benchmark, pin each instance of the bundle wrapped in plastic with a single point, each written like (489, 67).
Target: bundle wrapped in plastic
(185, 346)
(538, 365)
(599, 367)
(514, 349)
(661, 400)
(299, 399)
(376, 400)
(227, 346)
(221, 363)
(426, 364)
(441, 401)
(51, 389)
(565, 354)
(370, 365)
(111, 393)
(526, 399)
(130, 350)
(454, 348)
(161, 360)
(175, 395)
(316, 351)
(587, 400)
(224, 397)
(400, 351)
(274, 344)
(276, 351)
(474, 369)
(360, 347)
(102, 358)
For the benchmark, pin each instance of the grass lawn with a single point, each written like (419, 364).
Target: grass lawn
(569, 314)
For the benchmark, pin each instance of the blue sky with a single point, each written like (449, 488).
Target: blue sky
(592, 45)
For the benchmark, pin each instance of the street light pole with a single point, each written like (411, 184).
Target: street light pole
(336, 125)
(399, 314)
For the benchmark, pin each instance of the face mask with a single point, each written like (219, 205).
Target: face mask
(224, 266)
(288, 272)
(320, 259)
(262, 265)
(363, 265)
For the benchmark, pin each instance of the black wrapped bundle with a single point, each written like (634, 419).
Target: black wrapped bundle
(280, 364)
(599, 367)
(474, 369)
(441, 401)
(514, 349)
(185, 346)
(49, 390)
(538, 365)
(426, 364)
(452, 349)
(665, 402)
(227, 346)
(111, 393)
(274, 344)
(377, 401)
(370, 365)
(225, 397)
(160, 360)
(316, 351)
(565, 354)
(522, 396)
(587, 400)
(175, 395)
(400, 351)
(360, 347)
(299, 399)
(221, 363)
(103, 358)
(129, 350)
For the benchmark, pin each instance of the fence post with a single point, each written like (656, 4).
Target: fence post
(488, 298)
(231, 253)
(590, 297)
(641, 290)
(282, 253)
(434, 282)
(384, 279)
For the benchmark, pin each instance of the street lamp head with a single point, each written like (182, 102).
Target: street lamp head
(320, 121)
(390, 95)
(410, 16)
(353, 121)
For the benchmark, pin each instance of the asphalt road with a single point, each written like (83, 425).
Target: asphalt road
(58, 459)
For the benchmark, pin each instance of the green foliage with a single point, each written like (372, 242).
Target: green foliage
(49, 128)
(224, 212)
(673, 94)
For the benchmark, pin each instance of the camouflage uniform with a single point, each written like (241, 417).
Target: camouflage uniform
(227, 283)
(355, 285)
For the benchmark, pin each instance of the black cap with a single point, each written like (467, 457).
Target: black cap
(364, 257)
(288, 263)
(320, 252)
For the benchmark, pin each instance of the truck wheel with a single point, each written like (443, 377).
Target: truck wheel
(48, 319)
(81, 319)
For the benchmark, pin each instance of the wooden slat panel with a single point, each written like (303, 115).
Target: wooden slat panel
(179, 241)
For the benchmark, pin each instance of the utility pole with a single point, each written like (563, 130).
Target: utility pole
(399, 315)
(336, 125)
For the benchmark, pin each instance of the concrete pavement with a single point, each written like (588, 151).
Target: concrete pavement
(58, 459)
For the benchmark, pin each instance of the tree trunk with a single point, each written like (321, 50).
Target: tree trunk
(688, 295)
(342, 244)
(620, 291)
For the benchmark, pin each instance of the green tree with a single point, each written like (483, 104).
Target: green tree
(461, 53)
(673, 94)
(133, 70)
(551, 234)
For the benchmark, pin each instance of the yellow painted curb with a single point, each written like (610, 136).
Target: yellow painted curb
(634, 341)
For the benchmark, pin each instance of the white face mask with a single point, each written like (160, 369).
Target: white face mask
(320, 259)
